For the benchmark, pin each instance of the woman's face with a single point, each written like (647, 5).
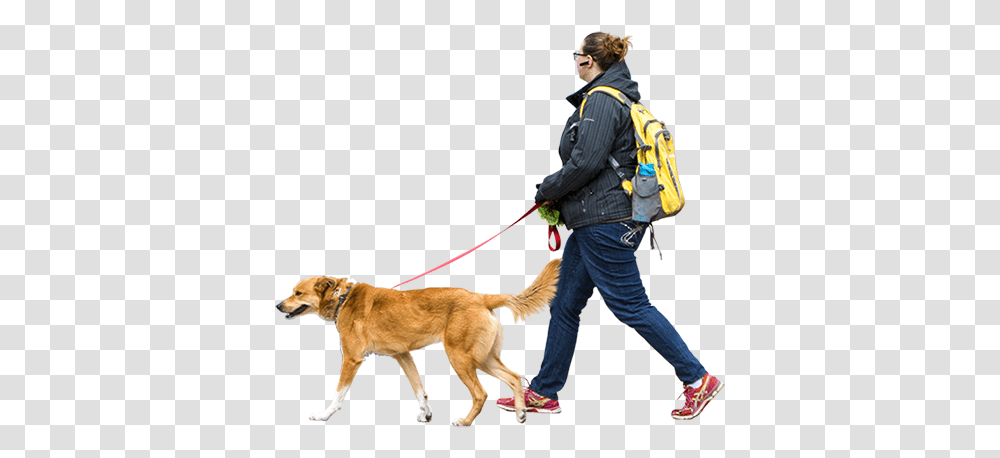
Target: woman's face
(580, 60)
(589, 68)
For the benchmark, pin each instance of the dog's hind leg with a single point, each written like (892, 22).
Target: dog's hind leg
(406, 362)
(496, 368)
(468, 345)
(492, 365)
(348, 370)
(467, 373)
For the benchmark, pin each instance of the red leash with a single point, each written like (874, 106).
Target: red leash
(552, 229)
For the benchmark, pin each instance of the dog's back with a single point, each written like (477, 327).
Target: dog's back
(422, 315)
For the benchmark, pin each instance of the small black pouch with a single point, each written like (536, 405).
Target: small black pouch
(645, 197)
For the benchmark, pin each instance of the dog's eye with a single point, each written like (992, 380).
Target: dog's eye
(298, 293)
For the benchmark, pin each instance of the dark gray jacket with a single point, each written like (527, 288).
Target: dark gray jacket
(586, 189)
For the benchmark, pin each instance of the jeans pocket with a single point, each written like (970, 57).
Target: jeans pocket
(633, 231)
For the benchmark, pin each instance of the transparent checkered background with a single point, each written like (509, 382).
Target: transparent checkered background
(169, 170)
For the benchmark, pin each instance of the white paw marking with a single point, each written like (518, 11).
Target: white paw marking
(323, 416)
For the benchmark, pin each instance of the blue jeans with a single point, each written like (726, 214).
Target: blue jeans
(601, 256)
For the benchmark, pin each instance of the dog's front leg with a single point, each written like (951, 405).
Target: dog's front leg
(406, 362)
(347, 372)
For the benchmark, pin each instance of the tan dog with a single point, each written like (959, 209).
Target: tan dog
(394, 323)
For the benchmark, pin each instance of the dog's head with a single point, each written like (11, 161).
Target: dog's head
(313, 295)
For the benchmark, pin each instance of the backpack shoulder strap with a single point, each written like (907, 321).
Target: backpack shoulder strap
(618, 95)
(625, 101)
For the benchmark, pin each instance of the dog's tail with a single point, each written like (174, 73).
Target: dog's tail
(536, 296)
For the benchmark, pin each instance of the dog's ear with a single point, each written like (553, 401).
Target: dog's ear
(324, 284)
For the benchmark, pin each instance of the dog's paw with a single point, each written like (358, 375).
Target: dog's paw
(321, 416)
(521, 417)
(424, 416)
(459, 422)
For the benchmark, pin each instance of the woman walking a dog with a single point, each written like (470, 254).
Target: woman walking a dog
(600, 251)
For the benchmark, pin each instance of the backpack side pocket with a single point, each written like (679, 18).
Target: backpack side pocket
(645, 198)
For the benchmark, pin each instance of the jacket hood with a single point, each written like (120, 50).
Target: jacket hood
(617, 76)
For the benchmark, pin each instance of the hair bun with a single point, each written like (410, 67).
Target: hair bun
(617, 46)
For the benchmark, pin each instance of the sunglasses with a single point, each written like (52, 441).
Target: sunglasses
(576, 55)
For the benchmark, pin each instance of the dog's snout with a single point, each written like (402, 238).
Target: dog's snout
(279, 305)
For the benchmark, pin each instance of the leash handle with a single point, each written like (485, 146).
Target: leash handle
(476, 248)
(554, 231)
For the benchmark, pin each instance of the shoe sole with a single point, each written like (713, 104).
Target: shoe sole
(703, 405)
(530, 409)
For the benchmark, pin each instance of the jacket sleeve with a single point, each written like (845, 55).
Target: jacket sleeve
(595, 134)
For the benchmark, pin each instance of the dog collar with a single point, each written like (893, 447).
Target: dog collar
(342, 300)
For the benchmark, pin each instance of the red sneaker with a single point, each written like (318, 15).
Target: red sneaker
(533, 402)
(697, 398)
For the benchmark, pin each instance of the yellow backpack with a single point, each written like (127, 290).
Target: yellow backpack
(656, 187)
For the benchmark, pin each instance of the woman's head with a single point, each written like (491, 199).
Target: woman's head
(598, 52)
